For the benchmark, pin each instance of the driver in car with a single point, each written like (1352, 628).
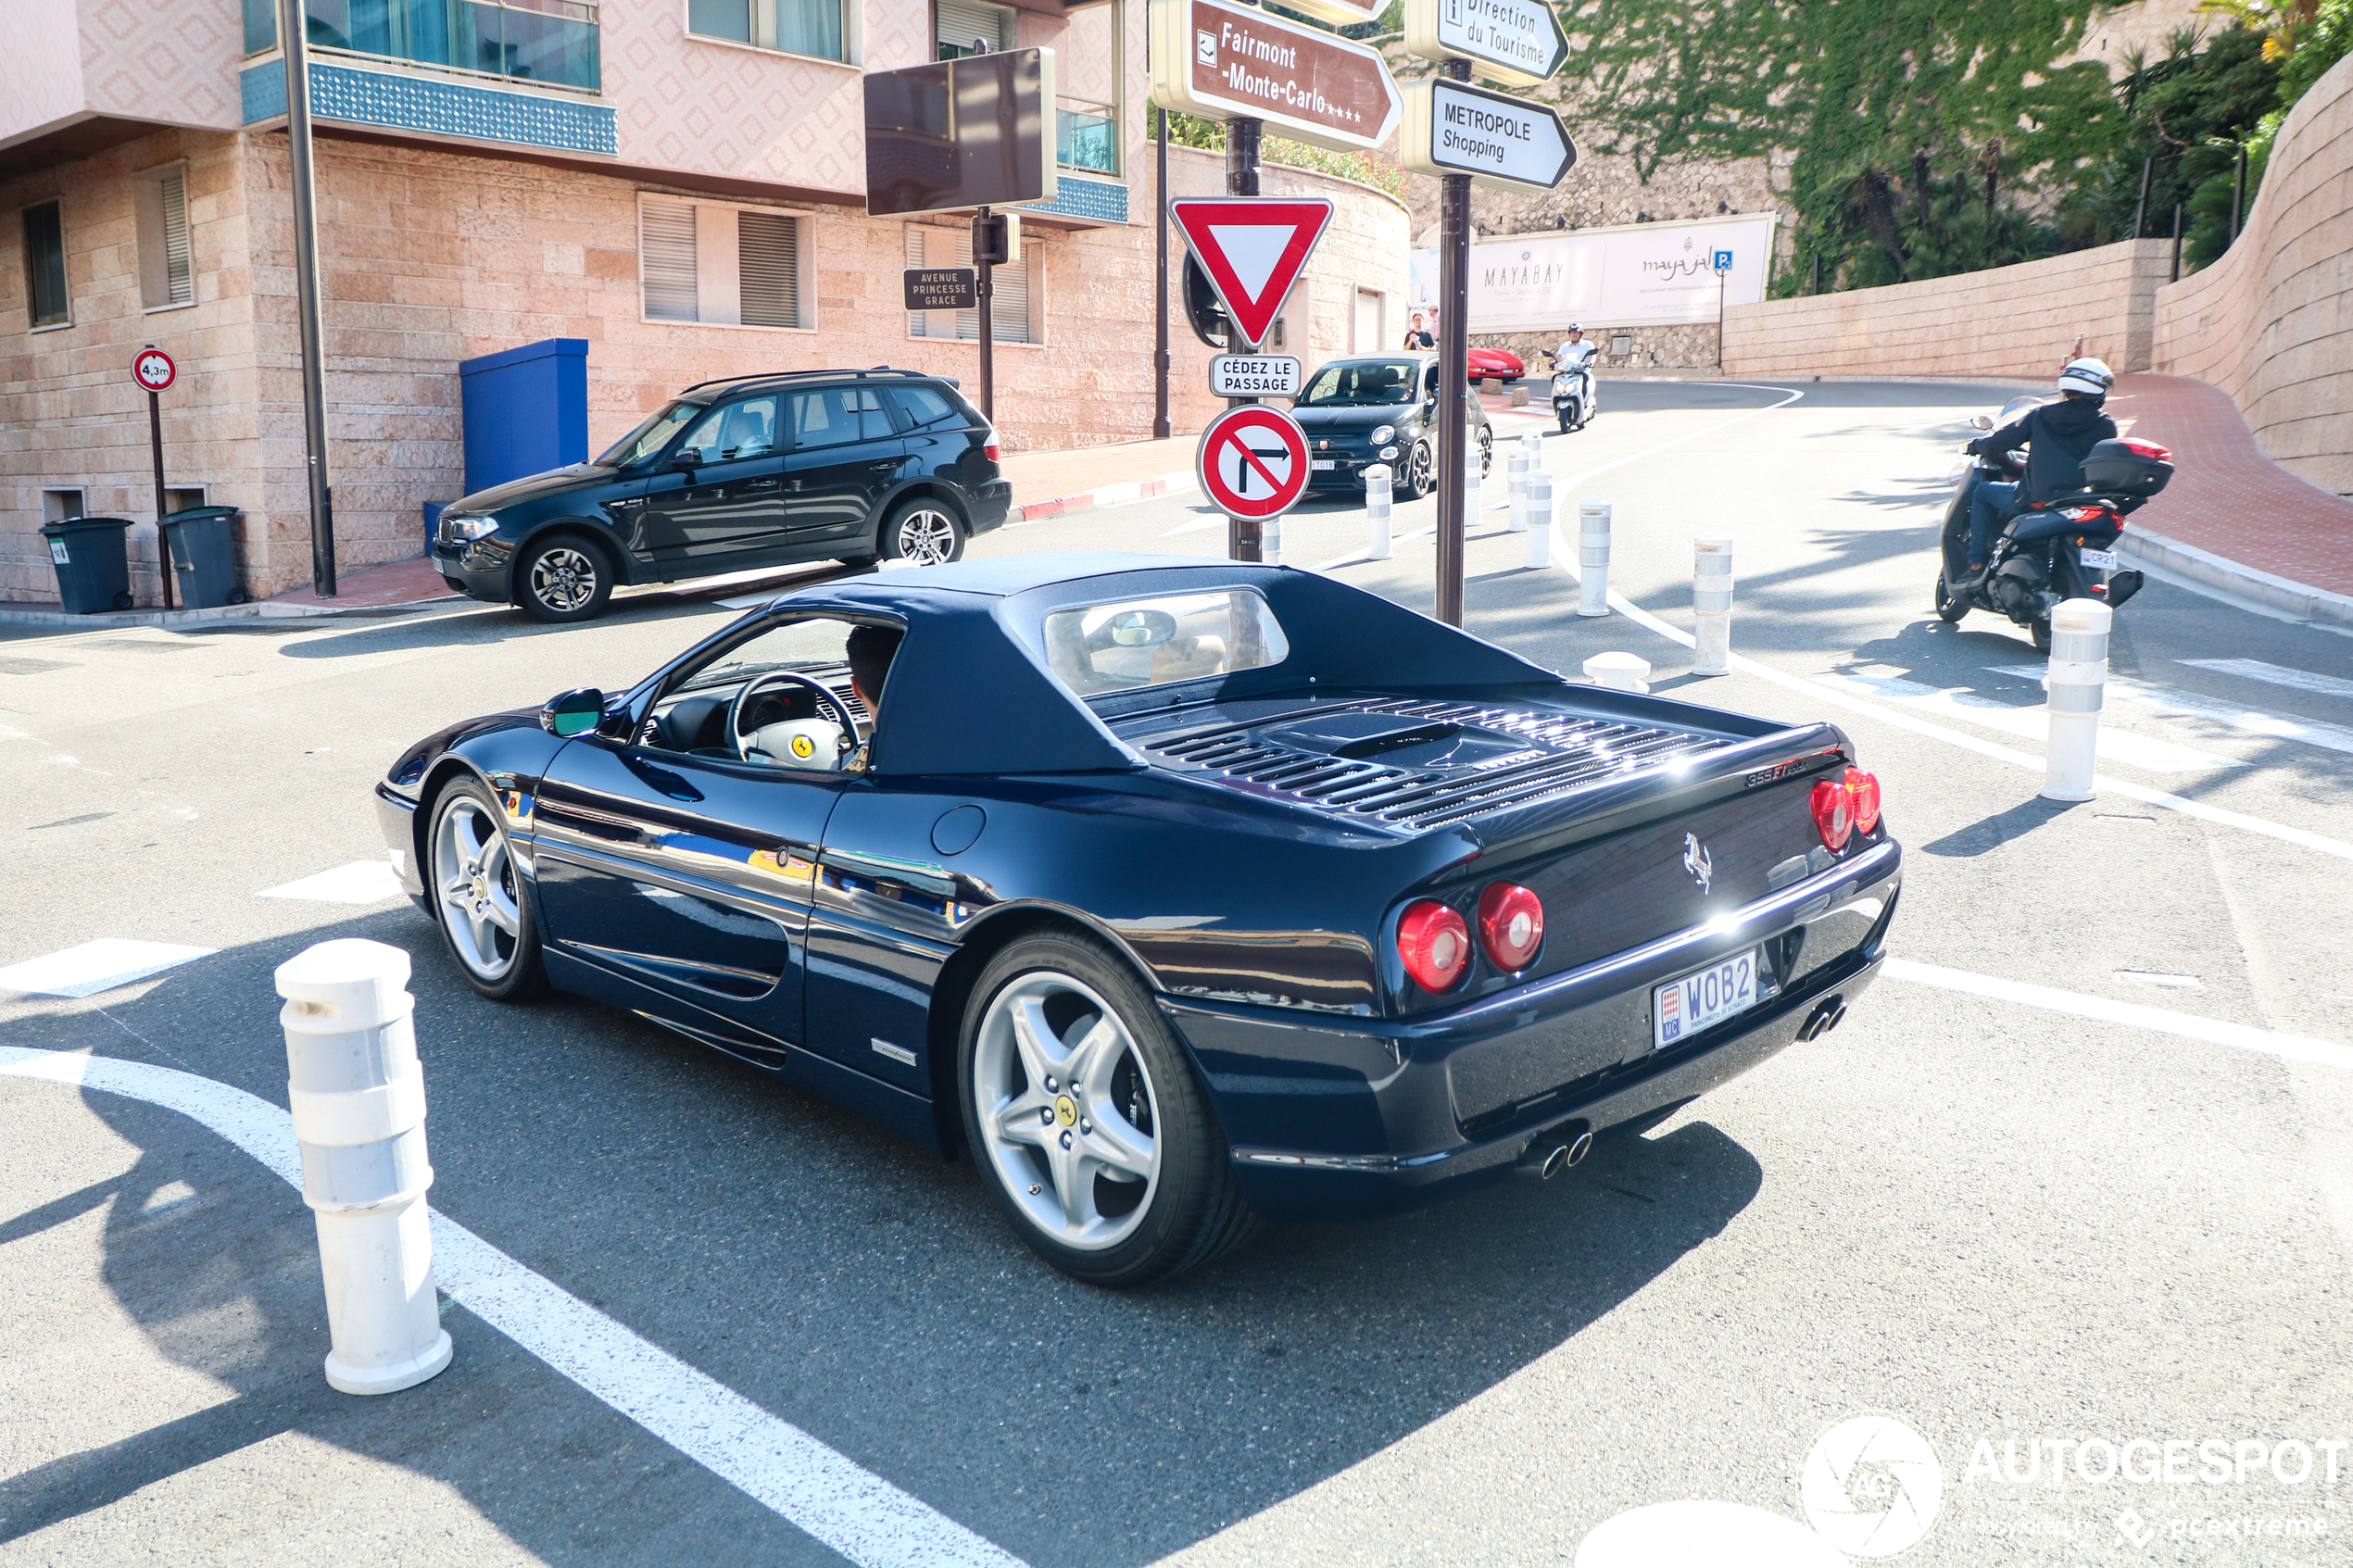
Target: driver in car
(808, 736)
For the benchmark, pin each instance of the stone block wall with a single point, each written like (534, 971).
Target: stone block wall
(432, 255)
(2271, 322)
(2019, 321)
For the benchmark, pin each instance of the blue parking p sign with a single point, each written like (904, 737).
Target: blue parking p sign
(1723, 261)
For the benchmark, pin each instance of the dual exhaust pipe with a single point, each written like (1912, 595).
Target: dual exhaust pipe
(1550, 1153)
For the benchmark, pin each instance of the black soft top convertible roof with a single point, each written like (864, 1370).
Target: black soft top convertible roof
(970, 691)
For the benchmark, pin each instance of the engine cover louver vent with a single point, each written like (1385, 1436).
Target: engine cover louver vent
(1577, 752)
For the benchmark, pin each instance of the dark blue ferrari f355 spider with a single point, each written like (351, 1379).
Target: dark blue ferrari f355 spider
(1177, 894)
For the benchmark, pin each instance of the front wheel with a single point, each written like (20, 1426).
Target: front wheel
(1949, 609)
(1566, 414)
(924, 533)
(1089, 1128)
(1417, 479)
(478, 897)
(1486, 453)
(565, 578)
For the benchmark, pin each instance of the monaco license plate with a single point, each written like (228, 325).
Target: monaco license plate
(1322, 465)
(2104, 559)
(1682, 1007)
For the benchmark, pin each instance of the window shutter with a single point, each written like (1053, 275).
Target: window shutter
(769, 245)
(179, 283)
(960, 25)
(918, 322)
(1008, 306)
(666, 260)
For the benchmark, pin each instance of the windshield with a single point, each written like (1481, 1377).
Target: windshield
(1360, 384)
(650, 437)
(1152, 641)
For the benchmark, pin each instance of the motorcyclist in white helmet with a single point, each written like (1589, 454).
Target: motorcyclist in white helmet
(2057, 436)
(1575, 357)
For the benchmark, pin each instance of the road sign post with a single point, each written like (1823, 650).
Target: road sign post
(1460, 134)
(153, 370)
(1723, 260)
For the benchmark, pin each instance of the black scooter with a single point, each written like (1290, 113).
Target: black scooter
(2063, 550)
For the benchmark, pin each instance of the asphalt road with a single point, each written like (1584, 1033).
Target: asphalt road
(1997, 1223)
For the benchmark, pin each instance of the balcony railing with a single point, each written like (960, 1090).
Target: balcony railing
(1086, 135)
(554, 42)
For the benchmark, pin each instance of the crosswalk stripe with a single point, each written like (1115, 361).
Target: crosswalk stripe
(2274, 676)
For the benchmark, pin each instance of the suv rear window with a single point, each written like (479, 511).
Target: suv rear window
(926, 407)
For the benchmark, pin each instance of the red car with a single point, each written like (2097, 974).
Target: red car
(1501, 363)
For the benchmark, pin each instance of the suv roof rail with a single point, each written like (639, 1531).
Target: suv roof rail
(782, 375)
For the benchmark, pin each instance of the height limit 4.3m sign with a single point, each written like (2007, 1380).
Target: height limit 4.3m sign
(1454, 128)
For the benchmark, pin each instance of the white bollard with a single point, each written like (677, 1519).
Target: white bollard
(358, 1094)
(2077, 681)
(1471, 478)
(1540, 519)
(1270, 541)
(1377, 496)
(1533, 445)
(1515, 467)
(1619, 672)
(1593, 557)
(1712, 605)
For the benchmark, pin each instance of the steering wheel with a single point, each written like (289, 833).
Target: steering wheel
(829, 705)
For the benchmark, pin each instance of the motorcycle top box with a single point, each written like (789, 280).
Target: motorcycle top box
(2127, 468)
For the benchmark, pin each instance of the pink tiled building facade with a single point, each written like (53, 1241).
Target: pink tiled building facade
(680, 182)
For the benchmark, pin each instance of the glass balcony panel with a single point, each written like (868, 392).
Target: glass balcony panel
(1087, 136)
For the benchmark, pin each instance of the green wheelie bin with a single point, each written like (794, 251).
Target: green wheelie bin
(93, 572)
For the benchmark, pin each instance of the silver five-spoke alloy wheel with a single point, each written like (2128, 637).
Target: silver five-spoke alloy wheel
(1067, 1113)
(564, 579)
(473, 877)
(926, 536)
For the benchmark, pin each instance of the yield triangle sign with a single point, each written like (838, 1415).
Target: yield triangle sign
(1253, 250)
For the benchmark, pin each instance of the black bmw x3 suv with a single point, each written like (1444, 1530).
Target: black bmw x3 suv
(733, 475)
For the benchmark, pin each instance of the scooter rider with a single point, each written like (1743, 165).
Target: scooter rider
(1575, 357)
(2058, 437)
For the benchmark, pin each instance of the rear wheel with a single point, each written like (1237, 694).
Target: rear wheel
(1949, 609)
(923, 533)
(1089, 1128)
(563, 578)
(2041, 631)
(1486, 453)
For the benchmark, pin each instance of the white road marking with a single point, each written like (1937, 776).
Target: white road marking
(92, 967)
(362, 882)
(2240, 1037)
(2191, 705)
(1825, 691)
(2275, 675)
(2035, 723)
(840, 1503)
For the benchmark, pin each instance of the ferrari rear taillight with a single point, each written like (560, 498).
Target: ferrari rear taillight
(1511, 924)
(1434, 944)
(1863, 789)
(1833, 812)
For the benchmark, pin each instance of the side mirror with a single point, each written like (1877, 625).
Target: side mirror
(573, 712)
(1979, 421)
(686, 457)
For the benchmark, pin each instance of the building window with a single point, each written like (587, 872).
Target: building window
(796, 27)
(961, 29)
(45, 267)
(58, 505)
(159, 202)
(183, 499)
(1013, 314)
(549, 40)
(1090, 86)
(721, 266)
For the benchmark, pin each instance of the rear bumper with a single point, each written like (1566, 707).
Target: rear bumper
(989, 504)
(1349, 1117)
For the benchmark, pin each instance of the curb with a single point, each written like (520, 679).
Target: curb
(266, 610)
(2299, 599)
(1108, 496)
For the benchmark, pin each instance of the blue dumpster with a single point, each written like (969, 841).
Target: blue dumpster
(527, 411)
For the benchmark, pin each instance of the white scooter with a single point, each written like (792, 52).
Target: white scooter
(1572, 396)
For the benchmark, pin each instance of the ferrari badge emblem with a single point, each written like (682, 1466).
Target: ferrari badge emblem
(1065, 1110)
(1696, 861)
(803, 747)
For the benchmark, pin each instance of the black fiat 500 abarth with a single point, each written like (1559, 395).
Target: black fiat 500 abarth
(735, 476)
